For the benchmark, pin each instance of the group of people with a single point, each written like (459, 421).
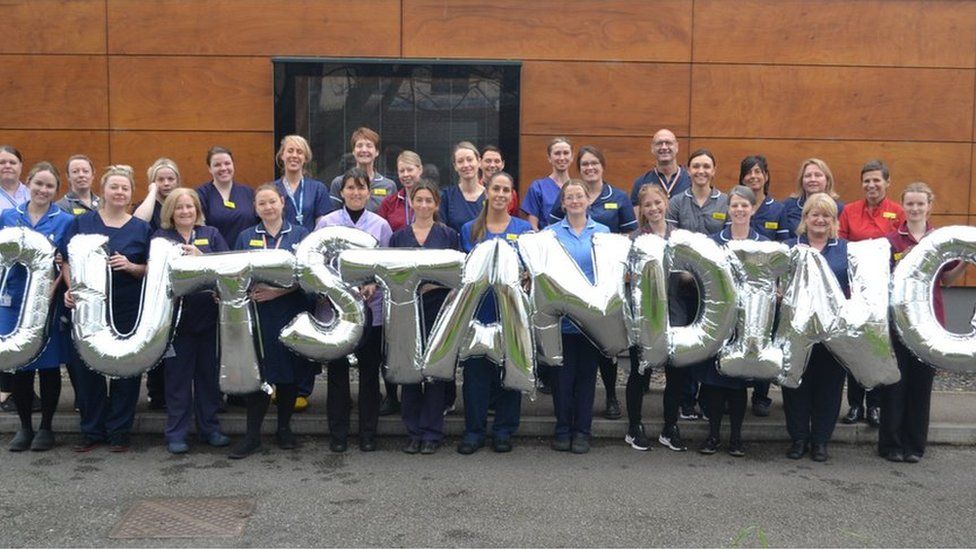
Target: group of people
(413, 212)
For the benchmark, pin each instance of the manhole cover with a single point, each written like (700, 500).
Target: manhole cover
(185, 518)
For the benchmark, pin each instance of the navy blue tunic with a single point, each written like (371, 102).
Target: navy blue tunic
(835, 252)
(278, 364)
(441, 237)
(487, 310)
(790, 217)
(198, 311)
(229, 217)
(312, 197)
(455, 210)
(767, 217)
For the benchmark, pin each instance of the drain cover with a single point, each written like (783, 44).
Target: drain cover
(185, 518)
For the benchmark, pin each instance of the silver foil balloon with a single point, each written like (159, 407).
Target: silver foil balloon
(401, 272)
(814, 310)
(97, 341)
(916, 274)
(710, 266)
(559, 288)
(232, 274)
(36, 253)
(756, 267)
(340, 330)
(649, 296)
(458, 335)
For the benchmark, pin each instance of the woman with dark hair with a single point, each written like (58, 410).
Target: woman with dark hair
(355, 193)
(275, 307)
(482, 382)
(40, 214)
(79, 199)
(423, 403)
(108, 414)
(227, 205)
(544, 193)
(13, 193)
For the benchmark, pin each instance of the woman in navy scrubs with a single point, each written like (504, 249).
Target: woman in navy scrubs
(227, 205)
(482, 377)
(42, 215)
(107, 414)
(575, 380)
(274, 307)
(718, 392)
(812, 408)
(423, 403)
(814, 177)
(191, 374)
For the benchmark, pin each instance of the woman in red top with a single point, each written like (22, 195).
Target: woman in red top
(905, 405)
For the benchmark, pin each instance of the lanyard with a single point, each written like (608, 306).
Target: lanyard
(300, 191)
(407, 218)
(667, 183)
(277, 242)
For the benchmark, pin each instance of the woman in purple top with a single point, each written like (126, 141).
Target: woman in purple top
(355, 192)
(544, 193)
(191, 380)
(228, 206)
(423, 403)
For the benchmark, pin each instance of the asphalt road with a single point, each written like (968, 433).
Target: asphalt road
(613, 496)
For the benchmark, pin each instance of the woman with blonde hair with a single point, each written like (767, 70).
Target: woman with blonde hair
(814, 177)
(163, 177)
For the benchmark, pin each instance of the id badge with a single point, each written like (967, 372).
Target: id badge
(6, 300)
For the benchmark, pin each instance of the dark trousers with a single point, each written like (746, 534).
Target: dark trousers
(812, 408)
(422, 409)
(192, 385)
(575, 387)
(108, 407)
(760, 393)
(306, 381)
(156, 383)
(23, 395)
(480, 375)
(338, 398)
(608, 373)
(6, 382)
(675, 380)
(905, 405)
(634, 393)
(715, 400)
(856, 395)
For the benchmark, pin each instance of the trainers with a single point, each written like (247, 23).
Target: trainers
(672, 439)
(563, 444)
(301, 404)
(177, 447)
(690, 413)
(736, 449)
(580, 444)
(637, 439)
(709, 446)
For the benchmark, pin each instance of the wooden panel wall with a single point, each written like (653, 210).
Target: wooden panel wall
(128, 80)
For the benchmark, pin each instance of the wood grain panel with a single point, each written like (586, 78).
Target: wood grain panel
(49, 26)
(359, 28)
(56, 146)
(612, 30)
(54, 92)
(191, 93)
(604, 98)
(253, 154)
(972, 185)
(878, 32)
(627, 158)
(832, 102)
(942, 165)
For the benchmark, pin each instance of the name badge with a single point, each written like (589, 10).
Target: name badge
(611, 206)
(379, 192)
(201, 242)
(229, 204)
(510, 236)
(256, 244)
(889, 215)
(771, 224)
(77, 211)
(718, 215)
(6, 301)
(899, 255)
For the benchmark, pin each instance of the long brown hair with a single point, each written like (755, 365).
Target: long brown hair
(479, 227)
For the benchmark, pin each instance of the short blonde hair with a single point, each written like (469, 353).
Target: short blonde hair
(160, 164)
(296, 140)
(169, 206)
(824, 168)
(411, 158)
(819, 202)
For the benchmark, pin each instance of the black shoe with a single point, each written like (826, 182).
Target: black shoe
(853, 415)
(671, 437)
(798, 449)
(760, 409)
(43, 441)
(689, 413)
(245, 448)
(818, 452)
(637, 438)
(502, 445)
(895, 456)
(21, 441)
(87, 444)
(580, 444)
(236, 400)
(8, 405)
(338, 445)
(874, 416)
(467, 448)
(912, 458)
(709, 446)
(286, 439)
(561, 444)
(429, 447)
(367, 442)
(412, 447)
(157, 404)
(613, 409)
(736, 449)
(119, 444)
(389, 406)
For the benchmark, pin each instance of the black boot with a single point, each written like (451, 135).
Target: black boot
(257, 407)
